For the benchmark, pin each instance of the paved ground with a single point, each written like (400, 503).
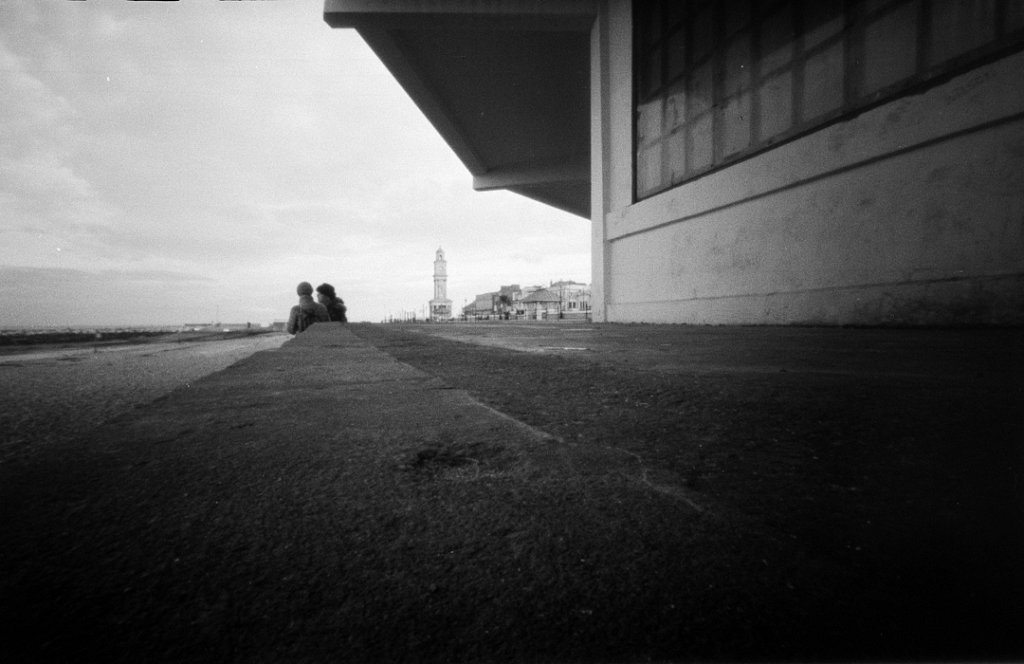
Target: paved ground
(618, 493)
(50, 394)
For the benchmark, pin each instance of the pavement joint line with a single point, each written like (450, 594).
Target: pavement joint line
(671, 491)
(532, 430)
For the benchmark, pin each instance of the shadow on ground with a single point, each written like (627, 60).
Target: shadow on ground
(382, 493)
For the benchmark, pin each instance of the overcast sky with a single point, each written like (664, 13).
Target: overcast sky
(171, 162)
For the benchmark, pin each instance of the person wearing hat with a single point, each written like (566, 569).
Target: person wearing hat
(335, 305)
(306, 312)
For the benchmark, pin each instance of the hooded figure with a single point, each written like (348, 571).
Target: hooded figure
(307, 311)
(335, 305)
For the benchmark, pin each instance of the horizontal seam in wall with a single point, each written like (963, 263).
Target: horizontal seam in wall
(837, 171)
(826, 289)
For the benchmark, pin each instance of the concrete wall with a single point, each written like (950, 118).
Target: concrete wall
(909, 213)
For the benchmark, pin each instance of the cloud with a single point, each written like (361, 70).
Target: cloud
(30, 105)
(42, 190)
(211, 155)
(43, 175)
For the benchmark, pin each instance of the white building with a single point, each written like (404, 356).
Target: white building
(856, 162)
(573, 297)
(541, 303)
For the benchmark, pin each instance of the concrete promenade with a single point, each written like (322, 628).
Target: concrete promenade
(548, 492)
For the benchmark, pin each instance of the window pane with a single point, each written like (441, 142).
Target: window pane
(1014, 15)
(675, 107)
(736, 124)
(650, 25)
(890, 48)
(648, 170)
(701, 143)
(702, 32)
(776, 98)
(737, 16)
(777, 38)
(676, 54)
(823, 82)
(736, 76)
(872, 6)
(676, 13)
(700, 90)
(959, 26)
(651, 73)
(677, 156)
(649, 122)
(823, 19)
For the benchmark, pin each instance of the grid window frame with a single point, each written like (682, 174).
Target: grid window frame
(753, 104)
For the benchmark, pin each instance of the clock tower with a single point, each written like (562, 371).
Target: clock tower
(440, 306)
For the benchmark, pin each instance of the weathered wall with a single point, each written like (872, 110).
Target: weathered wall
(909, 213)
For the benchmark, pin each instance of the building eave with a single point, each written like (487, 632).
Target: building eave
(505, 83)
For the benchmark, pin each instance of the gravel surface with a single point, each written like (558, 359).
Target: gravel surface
(52, 395)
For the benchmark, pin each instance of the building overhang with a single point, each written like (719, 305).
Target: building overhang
(505, 83)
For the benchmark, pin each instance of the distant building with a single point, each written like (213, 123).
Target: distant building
(561, 299)
(573, 298)
(541, 303)
(440, 306)
(484, 306)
